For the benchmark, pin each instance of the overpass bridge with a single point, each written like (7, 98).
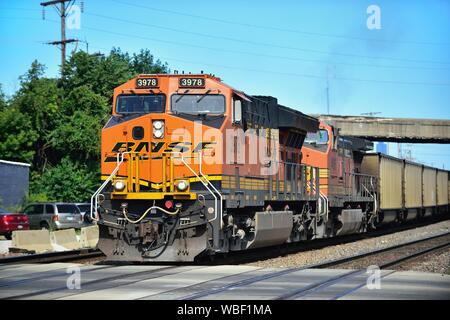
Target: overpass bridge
(391, 129)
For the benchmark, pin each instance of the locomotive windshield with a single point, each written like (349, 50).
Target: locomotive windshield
(148, 103)
(198, 103)
(319, 137)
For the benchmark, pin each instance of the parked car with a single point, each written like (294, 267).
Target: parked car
(85, 209)
(10, 222)
(53, 216)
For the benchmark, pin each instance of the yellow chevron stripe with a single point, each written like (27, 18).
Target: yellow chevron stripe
(159, 185)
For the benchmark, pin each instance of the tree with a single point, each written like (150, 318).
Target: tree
(83, 99)
(18, 137)
(56, 123)
(69, 181)
(3, 103)
(38, 100)
(99, 73)
(144, 62)
(78, 136)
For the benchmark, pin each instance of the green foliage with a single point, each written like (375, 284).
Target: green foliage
(78, 136)
(144, 62)
(3, 102)
(37, 196)
(18, 136)
(55, 124)
(101, 74)
(85, 100)
(68, 181)
(36, 107)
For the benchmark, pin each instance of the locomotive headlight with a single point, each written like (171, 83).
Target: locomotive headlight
(158, 134)
(158, 124)
(119, 185)
(182, 185)
(158, 129)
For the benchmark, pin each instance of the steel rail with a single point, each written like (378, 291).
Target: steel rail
(163, 271)
(339, 261)
(48, 257)
(315, 287)
(320, 265)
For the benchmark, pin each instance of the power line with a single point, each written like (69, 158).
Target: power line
(265, 27)
(286, 57)
(283, 47)
(294, 74)
(289, 73)
(344, 54)
(310, 75)
(258, 70)
(62, 12)
(258, 43)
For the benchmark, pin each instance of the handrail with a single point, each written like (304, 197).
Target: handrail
(204, 184)
(220, 195)
(94, 198)
(362, 185)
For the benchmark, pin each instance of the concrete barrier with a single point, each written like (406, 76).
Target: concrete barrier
(32, 240)
(65, 238)
(89, 237)
(4, 246)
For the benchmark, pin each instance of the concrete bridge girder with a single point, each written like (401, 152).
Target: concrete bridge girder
(391, 129)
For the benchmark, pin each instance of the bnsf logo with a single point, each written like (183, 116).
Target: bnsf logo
(157, 147)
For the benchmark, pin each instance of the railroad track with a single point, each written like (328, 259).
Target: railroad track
(265, 253)
(395, 256)
(110, 277)
(49, 257)
(385, 258)
(90, 256)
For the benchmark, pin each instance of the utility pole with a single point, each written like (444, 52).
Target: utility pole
(63, 9)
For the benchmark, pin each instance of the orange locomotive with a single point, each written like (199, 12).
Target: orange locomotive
(192, 166)
(351, 194)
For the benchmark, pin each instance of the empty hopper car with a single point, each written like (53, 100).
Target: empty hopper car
(192, 166)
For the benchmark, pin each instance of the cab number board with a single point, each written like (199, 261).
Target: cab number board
(191, 83)
(146, 82)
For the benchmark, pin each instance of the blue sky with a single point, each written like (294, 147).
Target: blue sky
(286, 49)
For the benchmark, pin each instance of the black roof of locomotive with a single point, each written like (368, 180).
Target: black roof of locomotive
(275, 115)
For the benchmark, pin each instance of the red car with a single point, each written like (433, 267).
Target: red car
(10, 222)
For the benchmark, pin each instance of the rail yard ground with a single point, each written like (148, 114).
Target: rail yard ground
(331, 272)
(435, 262)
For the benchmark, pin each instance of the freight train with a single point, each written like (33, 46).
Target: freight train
(192, 166)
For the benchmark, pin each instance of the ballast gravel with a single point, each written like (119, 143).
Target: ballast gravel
(438, 263)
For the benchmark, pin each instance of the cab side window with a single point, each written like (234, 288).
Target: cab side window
(317, 140)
